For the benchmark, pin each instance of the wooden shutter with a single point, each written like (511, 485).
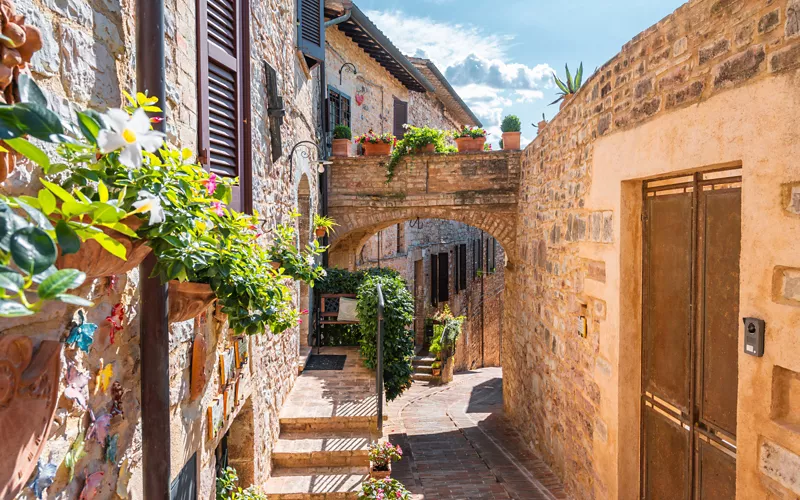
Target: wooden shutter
(311, 26)
(434, 280)
(444, 277)
(400, 117)
(224, 93)
(456, 269)
(462, 263)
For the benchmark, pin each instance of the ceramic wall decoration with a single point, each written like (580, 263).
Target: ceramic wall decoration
(29, 380)
(230, 399)
(216, 417)
(227, 365)
(242, 346)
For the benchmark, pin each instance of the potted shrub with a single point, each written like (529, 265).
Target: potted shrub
(381, 456)
(376, 144)
(542, 124)
(416, 140)
(569, 88)
(511, 127)
(383, 489)
(436, 368)
(470, 139)
(323, 225)
(341, 140)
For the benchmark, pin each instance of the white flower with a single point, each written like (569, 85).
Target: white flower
(129, 133)
(152, 204)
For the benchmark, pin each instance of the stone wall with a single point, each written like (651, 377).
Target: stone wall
(87, 60)
(712, 85)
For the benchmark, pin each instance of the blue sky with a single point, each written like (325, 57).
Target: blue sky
(500, 56)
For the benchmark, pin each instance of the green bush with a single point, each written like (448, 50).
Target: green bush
(342, 132)
(227, 488)
(398, 341)
(414, 139)
(511, 123)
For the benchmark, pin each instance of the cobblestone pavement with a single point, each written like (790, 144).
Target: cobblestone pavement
(457, 445)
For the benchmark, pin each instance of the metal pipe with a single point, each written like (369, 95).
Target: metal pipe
(379, 355)
(340, 19)
(153, 312)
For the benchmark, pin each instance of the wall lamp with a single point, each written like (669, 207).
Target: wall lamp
(345, 65)
(305, 150)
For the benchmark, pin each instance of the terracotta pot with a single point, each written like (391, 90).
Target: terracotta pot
(430, 148)
(320, 232)
(436, 372)
(341, 148)
(566, 99)
(380, 474)
(377, 149)
(542, 124)
(468, 144)
(511, 141)
(96, 261)
(275, 265)
(187, 300)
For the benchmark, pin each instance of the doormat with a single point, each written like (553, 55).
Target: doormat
(326, 362)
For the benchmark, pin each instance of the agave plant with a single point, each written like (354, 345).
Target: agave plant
(569, 87)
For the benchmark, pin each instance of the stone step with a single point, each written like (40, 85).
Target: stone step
(322, 449)
(364, 423)
(315, 483)
(423, 377)
(423, 369)
(423, 360)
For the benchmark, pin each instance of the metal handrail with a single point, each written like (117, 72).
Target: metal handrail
(379, 364)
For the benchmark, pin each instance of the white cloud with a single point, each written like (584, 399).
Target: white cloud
(498, 74)
(527, 95)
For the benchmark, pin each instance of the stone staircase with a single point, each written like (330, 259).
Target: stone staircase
(423, 372)
(327, 423)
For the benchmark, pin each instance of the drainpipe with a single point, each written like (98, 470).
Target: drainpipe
(339, 20)
(154, 326)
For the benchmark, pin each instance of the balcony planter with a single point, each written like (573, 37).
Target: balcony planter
(511, 141)
(377, 148)
(97, 262)
(468, 144)
(380, 474)
(341, 148)
(187, 300)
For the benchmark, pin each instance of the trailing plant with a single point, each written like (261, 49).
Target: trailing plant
(383, 453)
(414, 140)
(469, 132)
(436, 365)
(228, 489)
(511, 123)
(446, 331)
(373, 138)
(383, 489)
(324, 222)
(294, 263)
(342, 132)
(398, 341)
(571, 85)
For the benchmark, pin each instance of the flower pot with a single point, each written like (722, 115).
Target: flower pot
(377, 148)
(468, 144)
(564, 101)
(320, 232)
(429, 148)
(275, 265)
(511, 141)
(542, 124)
(341, 147)
(187, 300)
(96, 261)
(380, 474)
(436, 372)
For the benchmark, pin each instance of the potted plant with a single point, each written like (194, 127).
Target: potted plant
(469, 139)
(381, 456)
(569, 88)
(383, 489)
(436, 368)
(323, 225)
(376, 144)
(416, 140)
(511, 127)
(341, 140)
(187, 300)
(542, 124)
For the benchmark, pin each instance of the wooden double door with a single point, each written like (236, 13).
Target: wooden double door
(691, 248)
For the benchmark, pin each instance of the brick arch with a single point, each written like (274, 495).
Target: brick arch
(359, 225)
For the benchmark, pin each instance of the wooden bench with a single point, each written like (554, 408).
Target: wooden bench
(329, 309)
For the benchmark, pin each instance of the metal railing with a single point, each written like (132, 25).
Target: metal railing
(379, 364)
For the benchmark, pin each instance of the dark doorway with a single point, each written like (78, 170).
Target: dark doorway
(400, 118)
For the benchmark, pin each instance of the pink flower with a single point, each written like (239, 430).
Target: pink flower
(304, 311)
(299, 321)
(156, 119)
(211, 183)
(219, 207)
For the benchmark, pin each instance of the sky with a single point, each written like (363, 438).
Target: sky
(500, 57)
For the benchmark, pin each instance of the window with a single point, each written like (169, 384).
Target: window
(444, 277)
(338, 107)
(488, 268)
(400, 118)
(456, 269)
(311, 30)
(434, 280)
(401, 238)
(224, 93)
(462, 266)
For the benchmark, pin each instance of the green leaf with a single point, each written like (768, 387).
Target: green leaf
(111, 245)
(58, 191)
(47, 201)
(68, 239)
(29, 151)
(74, 300)
(579, 77)
(569, 79)
(11, 281)
(33, 250)
(29, 91)
(38, 121)
(560, 84)
(11, 309)
(102, 192)
(38, 217)
(59, 282)
(38, 278)
(121, 228)
(89, 127)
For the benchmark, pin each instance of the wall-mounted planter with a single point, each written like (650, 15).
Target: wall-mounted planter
(187, 300)
(379, 474)
(320, 232)
(96, 261)
(469, 145)
(341, 148)
(511, 141)
(377, 149)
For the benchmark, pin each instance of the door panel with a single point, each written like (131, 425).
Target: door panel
(716, 473)
(667, 457)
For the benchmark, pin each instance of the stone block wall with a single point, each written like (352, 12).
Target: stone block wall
(712, 85)
(87, 60)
